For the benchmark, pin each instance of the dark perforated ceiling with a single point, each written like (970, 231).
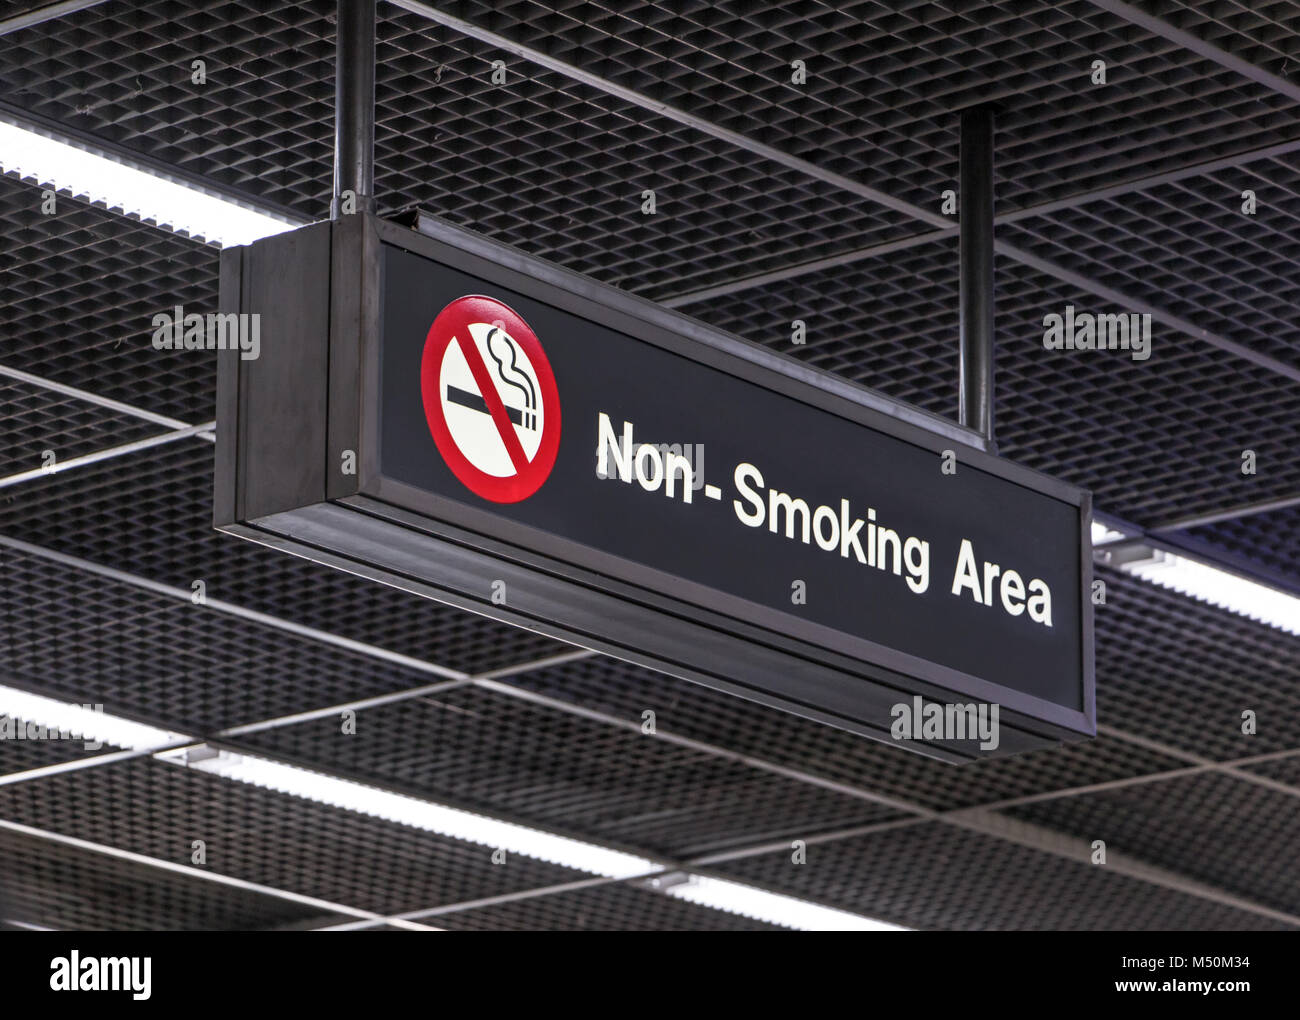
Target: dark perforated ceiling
(775, 202)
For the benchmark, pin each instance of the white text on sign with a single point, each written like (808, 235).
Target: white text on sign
(832, 528)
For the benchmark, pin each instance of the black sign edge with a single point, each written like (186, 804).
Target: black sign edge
(356, 236)
(298, 532)
(594, 569)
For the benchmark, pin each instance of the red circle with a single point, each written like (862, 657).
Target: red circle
(454, 319)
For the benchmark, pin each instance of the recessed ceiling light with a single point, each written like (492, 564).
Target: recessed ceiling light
(771, 907)
(63, 166)
(81, 722)
(1220, 588)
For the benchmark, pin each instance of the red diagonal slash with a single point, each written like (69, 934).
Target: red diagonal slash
(483, 379)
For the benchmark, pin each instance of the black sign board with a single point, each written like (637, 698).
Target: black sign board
(446, 414)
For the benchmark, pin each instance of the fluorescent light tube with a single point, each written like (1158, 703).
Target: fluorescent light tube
(66, 167)
(1219, 588)
(761, 905)
(421, 814)
(87, 724)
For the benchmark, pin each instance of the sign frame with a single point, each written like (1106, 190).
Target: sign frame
(316, 387)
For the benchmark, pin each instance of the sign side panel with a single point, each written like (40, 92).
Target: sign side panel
(285, 389)
(226, 507)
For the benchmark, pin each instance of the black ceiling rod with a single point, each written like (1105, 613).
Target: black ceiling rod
(354, 107)
(975, 392)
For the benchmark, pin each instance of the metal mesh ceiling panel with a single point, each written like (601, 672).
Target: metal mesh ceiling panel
(744, 728)
(299, 846)
(44, 429)
(900, 344)
(52, 886)
(1271, 540)
(884, 79)
(574, 178)
(1285, 770)
(171, 662)
(78, 292)
(493, 753)
(163, 499)
(1067, 413)
(122, 71)
(22, 754)
(1181, 673)
(936, 876)
(1188, 248)
(1193, 825)
(1263, 33)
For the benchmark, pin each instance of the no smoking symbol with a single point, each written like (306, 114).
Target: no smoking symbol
(490, 399)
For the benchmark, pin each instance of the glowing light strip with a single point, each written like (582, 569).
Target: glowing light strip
(84, 723)
(1220, 588)
(773, 908)
(127, 189)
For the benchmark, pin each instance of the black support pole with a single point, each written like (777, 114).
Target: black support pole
(354, 105)
(975, 396)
